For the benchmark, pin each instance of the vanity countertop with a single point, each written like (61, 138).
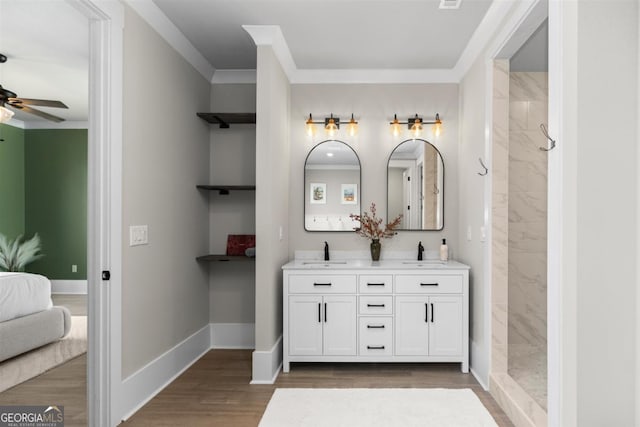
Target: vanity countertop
(391, 264)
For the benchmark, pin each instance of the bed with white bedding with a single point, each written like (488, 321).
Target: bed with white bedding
(28, 318)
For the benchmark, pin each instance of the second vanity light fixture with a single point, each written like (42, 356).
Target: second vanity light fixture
(415, 125)
(331, 125)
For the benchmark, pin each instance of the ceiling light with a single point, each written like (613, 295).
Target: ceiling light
(331, 125)
(415, 125)
(5, 114)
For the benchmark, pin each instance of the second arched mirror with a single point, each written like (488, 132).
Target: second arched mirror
(331, 187)
(415, 185)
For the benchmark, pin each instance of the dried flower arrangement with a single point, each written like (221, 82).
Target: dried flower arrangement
(371, 226)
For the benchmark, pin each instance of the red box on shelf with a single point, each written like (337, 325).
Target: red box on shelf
(238, 243)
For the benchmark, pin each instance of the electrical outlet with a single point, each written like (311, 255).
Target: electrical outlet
(74, 268)
(138, 235)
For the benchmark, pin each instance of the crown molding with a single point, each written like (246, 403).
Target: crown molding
(271, 35)
(40, 124)
(152, 14)
(481, 37)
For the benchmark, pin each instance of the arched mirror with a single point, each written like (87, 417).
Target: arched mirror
(415, 185)
(331, 187)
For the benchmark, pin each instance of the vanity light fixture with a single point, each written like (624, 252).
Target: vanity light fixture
(415, 125)
(331, 125)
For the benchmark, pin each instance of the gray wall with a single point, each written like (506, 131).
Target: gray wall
(165, 154)
(606, 215)
(373, 106)
(471, 204)
(272, 199)
(233, 162)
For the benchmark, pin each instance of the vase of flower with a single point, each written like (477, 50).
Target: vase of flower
(373, 228)
(376, 246)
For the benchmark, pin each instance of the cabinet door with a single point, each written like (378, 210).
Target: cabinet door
(339, 322)
(305, 325)
(411, 325)
(445, 325)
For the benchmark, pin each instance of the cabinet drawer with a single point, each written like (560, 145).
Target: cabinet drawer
(376, 284)
(372, 305)
(376, 336)
(428, 283)
(322, 284)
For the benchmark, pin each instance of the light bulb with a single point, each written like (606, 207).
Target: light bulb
(437, 126)
(395, 126)
(331, 127)
(352, 127)
(416, 128)
(310, 127)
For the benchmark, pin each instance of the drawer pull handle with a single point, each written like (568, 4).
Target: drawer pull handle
(319, 314)
(428, 284)
(432, 310)
(325, 312)
(375, 305)
(426, 312)
(375, 326)
(375, 284)
(322, 284)
(375, 347)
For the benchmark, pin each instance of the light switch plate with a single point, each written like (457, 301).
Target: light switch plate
(138, 235)
(469, 233)
(483, 234)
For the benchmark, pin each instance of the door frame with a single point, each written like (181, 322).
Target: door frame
(104, 379)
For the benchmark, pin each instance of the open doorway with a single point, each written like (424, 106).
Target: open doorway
(50, 176)
(519, 376)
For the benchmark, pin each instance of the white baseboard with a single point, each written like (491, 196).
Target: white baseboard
(267, 364)
(78, 287)
(233, 335)
(143, 385)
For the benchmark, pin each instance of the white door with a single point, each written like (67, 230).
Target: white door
(445, 325)
(305, 325)
(339, 321)
(412, 327)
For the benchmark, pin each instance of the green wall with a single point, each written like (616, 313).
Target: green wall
(56, 200)
(12, 214)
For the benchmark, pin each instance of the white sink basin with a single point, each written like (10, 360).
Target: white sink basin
(322, 262)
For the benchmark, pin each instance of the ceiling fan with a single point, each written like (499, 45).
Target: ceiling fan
(11, 99)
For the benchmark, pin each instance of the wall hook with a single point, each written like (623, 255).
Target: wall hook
(436, 190)
(486, 171)
(553, 141)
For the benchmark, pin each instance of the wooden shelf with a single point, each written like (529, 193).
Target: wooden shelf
(225, 258)
(225, 189)
(226, 119)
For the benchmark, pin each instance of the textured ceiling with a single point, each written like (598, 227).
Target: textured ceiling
(338, 34)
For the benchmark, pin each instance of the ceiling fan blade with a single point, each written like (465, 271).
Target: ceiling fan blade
(38, 113)
(40, 102)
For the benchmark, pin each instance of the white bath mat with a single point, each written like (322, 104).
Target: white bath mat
(369, 407)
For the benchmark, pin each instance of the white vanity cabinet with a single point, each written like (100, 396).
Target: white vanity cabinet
(389, 311)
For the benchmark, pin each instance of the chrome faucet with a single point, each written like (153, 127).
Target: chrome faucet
(420, 250)
(326, 251)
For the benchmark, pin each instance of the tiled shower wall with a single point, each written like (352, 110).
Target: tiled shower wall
(527, 306)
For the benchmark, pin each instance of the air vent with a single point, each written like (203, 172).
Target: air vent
(450, 4)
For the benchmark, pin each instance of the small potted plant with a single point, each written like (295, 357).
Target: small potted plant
(16, 254)
(372, 228)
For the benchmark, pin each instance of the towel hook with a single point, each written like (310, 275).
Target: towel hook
(553, 141)
(486, 171)
(436, 190)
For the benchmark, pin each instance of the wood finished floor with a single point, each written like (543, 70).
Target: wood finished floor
(215, 391)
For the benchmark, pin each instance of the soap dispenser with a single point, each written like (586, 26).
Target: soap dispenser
(444, 251)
